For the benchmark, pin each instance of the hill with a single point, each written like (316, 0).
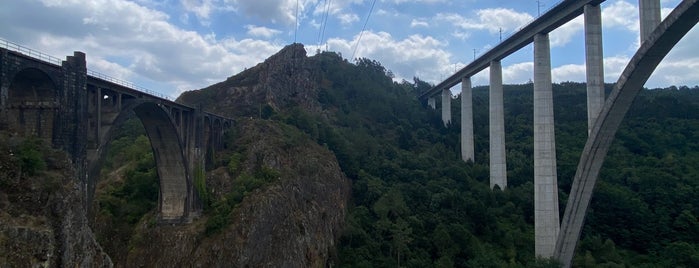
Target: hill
(413, 202)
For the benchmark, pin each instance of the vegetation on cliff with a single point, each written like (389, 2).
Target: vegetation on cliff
(414, 203)
(42, 220)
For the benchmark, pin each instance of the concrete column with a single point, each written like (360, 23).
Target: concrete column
(446, 106)
(467, 148)
(649, 16)
(432, 103)
(498, 167)
(593, 63)
(546, 223)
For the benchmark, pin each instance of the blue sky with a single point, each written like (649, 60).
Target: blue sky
(171, 46)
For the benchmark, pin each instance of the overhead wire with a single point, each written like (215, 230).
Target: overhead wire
(296, 22)
(363, 28)
(324, 23)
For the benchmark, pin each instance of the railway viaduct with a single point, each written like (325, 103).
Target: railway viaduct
(77, 110)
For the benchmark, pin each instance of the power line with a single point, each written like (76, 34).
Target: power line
(296, 23)
(323, 23)
(363, 28)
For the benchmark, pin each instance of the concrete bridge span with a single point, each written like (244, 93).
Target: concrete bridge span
(77, 110)
(550, 239)
(655, 47)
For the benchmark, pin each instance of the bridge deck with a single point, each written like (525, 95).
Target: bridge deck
(96, 77)
(547, 22)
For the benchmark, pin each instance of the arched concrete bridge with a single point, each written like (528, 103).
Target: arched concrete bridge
(553, 238)
(76, 110)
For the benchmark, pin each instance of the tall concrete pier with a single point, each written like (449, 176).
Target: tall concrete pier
(594, 63)
(498, 166)
(446, 106)
(467, 146)
(546, 223)
(649, 16)
(604, 114)
(432, 103)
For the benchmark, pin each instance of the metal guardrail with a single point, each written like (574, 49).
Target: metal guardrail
(508, 35)
(450, 81)
(53, 60)
(29, 52)
(125, 83)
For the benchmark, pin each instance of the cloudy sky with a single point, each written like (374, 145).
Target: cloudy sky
(171, 46)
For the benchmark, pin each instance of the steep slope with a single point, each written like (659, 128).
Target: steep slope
(42, 220)
(293, 221)
(273, 197)
(285, 80)
(414, 203)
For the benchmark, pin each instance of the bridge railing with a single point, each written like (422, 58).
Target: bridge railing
(53, 60)
(29, 52)
(125, 83)
(510, 34)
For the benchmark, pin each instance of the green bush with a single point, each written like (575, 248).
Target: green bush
(30, 156)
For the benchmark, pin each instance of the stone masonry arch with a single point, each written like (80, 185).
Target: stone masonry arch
(32, 104)
(167, 151)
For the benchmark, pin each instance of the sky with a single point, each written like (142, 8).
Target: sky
(171, 46)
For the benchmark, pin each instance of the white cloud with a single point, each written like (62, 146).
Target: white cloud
(347, 18)
(492, 20)
(261, 31)
(201, 8)
(419, 23)
(568, 72)
(621, 15)
(562, 35)
(133, 42)
(461, 35)
(335, 6)
(272, 11)
(400, 56)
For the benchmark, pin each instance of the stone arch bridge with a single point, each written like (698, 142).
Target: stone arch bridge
(76, 110)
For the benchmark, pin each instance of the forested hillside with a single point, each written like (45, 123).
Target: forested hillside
(414, 203)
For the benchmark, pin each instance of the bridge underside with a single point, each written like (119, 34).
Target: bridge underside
(169, 158)
(32, 105)
(59, 102)
(657, 39)
(652, 51)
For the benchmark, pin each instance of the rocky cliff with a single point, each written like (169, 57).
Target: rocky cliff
(42, 220)
(284, 81)
(293, 220)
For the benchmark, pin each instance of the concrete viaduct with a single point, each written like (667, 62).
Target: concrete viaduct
(553, 238)
(77, 110)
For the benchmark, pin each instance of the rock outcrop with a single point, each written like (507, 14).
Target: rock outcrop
(285, 80)
(294, 222)
(42, 219)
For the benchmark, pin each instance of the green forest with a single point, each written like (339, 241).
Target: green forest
(416, 204)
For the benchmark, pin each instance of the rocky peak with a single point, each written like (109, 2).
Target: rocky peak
(284, 80)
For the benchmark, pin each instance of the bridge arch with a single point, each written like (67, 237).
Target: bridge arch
(32, 104)
(168, 153)
(649, 55)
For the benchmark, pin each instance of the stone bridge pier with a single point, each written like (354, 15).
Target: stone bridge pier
(77, 111)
